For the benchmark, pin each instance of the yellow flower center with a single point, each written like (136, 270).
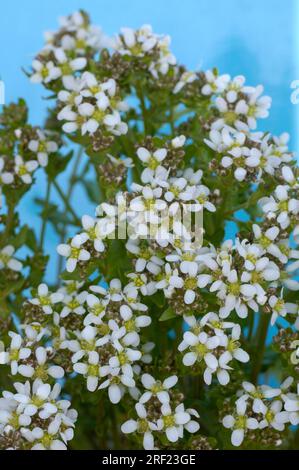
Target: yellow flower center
(240, 422)
(66, 69)
(230, 117)
(190, 283)
(93, 370)
(22, 170)
(169, 421)
(234, 288)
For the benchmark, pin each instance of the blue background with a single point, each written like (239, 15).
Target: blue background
(251, 37)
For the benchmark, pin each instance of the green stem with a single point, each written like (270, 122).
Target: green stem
(144, 110)
(250, 326)
(171, 119)
(260, 346)
(9, 221)
(65, 199)
(45, 219)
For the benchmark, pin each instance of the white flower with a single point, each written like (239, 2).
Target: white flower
(68, 67)
(279, 308)
(44, 72)
(92, 232)
(291, 406)
(24, 169)
(96, 310)
(17, 352)
(73, 252)
(178, 142)
(174, 422)
(42, 147)
(45, 299)
(141, 425)
(185, 78)
(267, 239)
(281, 206)
(118, 380)
(7, 260)
(151, 160)
(73, 304)
(157, 388)
(77, 35)
(41, 369)
(238, 288)
(239, 423)
(146, 258)
(271, 413)
(137, 43)
(215, 83)
(289, 176)
(132, 324)
(113, 291)
(5, 176)
(295, 354)
(91, 370)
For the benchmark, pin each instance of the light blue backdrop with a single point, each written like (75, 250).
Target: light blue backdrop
(251, 37)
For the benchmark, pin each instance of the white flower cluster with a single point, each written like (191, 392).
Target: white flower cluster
(109, 348)
(282, 207)
(96, 332)
(249, 155)
(60, 67)
(76, 35)
(261, 407)
(100, 329)
(37, 152)
(156, 416)
(159, 209)
(35, 418)
(238, 105)
(143, 43)
(89, 105)
(65, 52)
(240, 276)
(29, 359)
(212, 344)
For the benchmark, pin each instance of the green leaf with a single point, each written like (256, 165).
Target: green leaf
(21, 237)
(57, 164)
(169, 314)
